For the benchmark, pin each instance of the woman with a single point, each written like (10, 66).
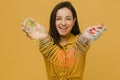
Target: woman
(64, 48)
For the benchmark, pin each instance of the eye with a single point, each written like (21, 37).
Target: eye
(58, 18)
(69, 18)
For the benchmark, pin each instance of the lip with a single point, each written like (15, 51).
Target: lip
(63, 28)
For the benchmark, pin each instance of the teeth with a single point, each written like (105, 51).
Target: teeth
(63, 28)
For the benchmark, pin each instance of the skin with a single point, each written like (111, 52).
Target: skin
(64, 24)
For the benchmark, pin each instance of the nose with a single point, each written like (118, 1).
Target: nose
(63, 22)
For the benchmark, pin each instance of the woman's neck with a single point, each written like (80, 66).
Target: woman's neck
(64, 39)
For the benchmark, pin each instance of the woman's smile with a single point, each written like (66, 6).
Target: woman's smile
(63, 28)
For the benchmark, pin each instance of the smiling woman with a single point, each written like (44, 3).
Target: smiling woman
(64, 48)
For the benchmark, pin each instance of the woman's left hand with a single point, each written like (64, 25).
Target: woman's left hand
(92, 33)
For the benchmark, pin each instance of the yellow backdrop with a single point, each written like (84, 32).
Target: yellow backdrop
(20, 58)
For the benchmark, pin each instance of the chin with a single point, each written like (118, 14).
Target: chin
(63, 34)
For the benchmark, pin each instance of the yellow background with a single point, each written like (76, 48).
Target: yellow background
(20, 58)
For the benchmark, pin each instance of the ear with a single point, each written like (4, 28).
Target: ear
(74, 20)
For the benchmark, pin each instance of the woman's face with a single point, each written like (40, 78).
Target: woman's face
(64, 21)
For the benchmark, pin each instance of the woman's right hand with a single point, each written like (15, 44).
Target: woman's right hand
(35, 32)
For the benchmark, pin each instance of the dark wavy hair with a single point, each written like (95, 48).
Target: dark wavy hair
(53, 31)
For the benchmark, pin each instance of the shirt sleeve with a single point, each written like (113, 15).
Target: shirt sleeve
(82, 44)
(47, 47)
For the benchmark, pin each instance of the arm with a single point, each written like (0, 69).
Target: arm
(90, 34)
(35, 31)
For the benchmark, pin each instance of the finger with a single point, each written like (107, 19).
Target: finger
(23, 29)
(92, 29)
(96, 33)
(100, 26)
(21, 26)
(33, 20)
(28, 35)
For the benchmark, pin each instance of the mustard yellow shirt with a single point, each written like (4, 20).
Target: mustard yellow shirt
(65, 63)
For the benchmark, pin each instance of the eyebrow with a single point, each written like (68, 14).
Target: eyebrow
(66, 16)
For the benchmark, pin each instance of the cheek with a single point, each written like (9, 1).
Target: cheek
(70, 27)
(70, 24)
(57, 23)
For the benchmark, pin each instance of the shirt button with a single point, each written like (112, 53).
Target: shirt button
(63, 70)
(65, 47)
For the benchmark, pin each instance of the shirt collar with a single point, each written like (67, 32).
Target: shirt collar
(70, 40)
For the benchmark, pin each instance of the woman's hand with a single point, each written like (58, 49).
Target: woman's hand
(33, 29)
(92, 33)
